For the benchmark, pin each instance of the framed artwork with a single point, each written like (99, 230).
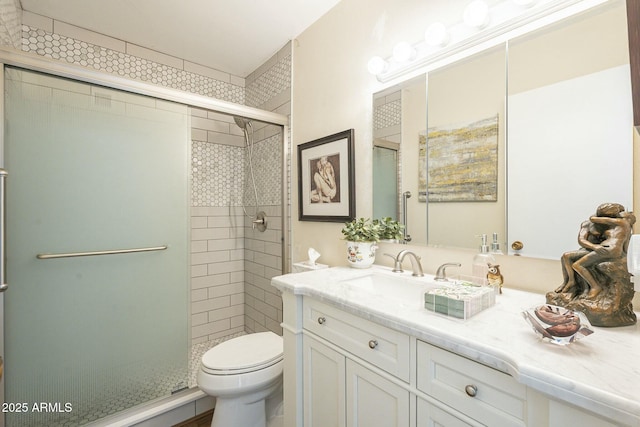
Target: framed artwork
(326, 179)
(461, 162)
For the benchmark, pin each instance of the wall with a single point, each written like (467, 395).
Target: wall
(60, 41)
(10, 23)
(217, 226)
(332, 91)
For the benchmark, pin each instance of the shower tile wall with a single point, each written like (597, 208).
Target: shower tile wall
(10, 23)
(217, 226)
(267, 88)
(231, 279)
(60, 41)
(387, 117)
(230, 273)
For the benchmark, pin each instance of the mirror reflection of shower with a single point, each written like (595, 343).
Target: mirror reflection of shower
(258, 218)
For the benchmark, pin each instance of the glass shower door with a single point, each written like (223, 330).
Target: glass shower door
(90, 170)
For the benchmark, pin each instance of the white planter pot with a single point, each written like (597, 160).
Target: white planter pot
(361, 254)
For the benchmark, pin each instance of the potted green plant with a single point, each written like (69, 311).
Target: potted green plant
(361, 235)
(390, 229)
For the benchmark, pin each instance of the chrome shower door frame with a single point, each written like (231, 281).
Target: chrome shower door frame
(32, 62)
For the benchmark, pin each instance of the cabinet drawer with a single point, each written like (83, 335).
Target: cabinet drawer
(378, 345)
(487, 395)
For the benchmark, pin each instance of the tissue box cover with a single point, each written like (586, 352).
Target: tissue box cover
(300, 267)
(459, 299)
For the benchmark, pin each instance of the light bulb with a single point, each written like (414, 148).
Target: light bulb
(476, 14)
(436, 35)
(525, 3)
(377, 65)
(403, 52)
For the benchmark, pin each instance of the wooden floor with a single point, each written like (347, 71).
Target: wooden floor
(202, 420)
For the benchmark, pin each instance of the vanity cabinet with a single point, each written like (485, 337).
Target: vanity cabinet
(373, 400)
(482, 393)
(324, 385)
(339, 391)
(432, 416)
(383, 347)
(345, 366)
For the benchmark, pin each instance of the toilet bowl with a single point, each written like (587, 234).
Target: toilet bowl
(242, 374)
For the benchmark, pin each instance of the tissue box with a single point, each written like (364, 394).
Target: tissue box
(300, 267)
(459, 299)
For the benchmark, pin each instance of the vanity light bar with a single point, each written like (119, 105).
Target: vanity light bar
(504, 21)
(476, 14)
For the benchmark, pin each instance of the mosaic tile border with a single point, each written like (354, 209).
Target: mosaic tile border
(387, 115)
(269, 84)
(61, 48)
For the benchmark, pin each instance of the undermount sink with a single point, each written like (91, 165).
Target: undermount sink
(403, 289)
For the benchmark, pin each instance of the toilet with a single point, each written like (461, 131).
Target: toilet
(244, 374)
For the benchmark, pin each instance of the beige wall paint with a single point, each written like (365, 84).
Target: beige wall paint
(332, 91)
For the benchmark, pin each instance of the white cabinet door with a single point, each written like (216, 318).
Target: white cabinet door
(324, 385)
(373, 401)
(431, 416)
(562, 415)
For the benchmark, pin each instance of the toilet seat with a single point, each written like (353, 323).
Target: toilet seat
(248, 353)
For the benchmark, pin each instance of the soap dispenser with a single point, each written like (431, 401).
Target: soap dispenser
(480, 265)
(495, 246)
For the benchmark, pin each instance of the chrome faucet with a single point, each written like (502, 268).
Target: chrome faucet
(415, 262)
(441, 274)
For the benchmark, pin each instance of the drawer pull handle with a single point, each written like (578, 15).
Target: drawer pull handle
(373, 344)
(321, 320)
(471, 390)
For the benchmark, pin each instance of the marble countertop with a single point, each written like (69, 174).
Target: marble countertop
(600, 372)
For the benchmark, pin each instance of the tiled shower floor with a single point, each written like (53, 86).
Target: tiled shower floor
(139, 391)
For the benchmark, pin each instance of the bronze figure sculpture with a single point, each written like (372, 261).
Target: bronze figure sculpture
(596, 279)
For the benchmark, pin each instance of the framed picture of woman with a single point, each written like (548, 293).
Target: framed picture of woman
(326, 182)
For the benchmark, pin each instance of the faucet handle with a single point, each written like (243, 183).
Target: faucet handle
(441, 273)
(397, 266)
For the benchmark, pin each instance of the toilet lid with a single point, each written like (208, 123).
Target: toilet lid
(244, 353)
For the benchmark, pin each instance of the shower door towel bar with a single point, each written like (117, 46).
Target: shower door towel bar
(110, 252)
(3, 229)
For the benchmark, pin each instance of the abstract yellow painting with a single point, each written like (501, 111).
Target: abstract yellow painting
(459, 163)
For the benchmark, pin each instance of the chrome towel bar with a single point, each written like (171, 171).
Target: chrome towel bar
(3, 232)
(110, 252)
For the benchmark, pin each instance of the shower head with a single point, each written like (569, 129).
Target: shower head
(242, 122)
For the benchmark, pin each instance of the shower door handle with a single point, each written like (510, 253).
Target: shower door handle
(406, 195)
(3, 231)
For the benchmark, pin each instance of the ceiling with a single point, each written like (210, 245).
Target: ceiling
(234, 36)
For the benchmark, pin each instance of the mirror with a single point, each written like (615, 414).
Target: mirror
(465, 150)
(570, 128)
(399, 117)
(547, 164)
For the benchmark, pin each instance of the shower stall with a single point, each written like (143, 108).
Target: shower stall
(103, 257)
